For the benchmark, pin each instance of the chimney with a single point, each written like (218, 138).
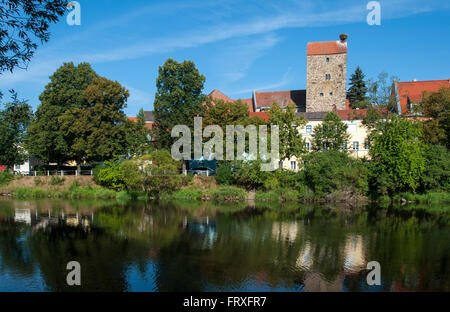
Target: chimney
(343, 37)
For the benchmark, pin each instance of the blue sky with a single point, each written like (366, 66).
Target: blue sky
(239, 45)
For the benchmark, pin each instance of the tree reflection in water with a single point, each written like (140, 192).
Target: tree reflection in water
(202, 247)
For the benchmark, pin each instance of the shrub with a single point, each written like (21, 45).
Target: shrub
(110, 174)
(271, 183)
(6, 177)
(249, 174)
(57, 180)
(330, 171)
(436, 175)
(228, 194)
(224, 173)
(37, 181)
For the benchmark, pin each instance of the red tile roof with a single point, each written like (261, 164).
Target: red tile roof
(412, 91)
(148, 124)
(217, 95)
(262, 115)
(326, 47)
(266, 99)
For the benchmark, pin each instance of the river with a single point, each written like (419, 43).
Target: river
(205, 247)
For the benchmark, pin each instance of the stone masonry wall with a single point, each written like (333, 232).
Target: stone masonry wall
(317, 68)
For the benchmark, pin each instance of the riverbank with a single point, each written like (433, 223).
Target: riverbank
(200, 189)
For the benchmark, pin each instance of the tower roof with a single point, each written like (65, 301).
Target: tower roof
(326, 47)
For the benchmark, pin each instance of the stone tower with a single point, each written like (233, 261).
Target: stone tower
(326, 75)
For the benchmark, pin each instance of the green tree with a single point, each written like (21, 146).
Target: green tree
(291, 141)
(14, 121)
(331, 134)
(397, 153)
(46, 140)
(138, 136)
(97, 130)
(161, 173)
(436, 175)
(23, 24)
(332, 171)
(436, 105)
(357, 91)
(178, 99)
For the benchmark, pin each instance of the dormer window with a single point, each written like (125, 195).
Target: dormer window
(328, 77)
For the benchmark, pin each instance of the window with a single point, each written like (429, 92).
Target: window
(17, 167)
(356, 146)
(366, 145)
(352, 128)
(281, 164)
(328, 77)
(308, 129)
(321, 94)
(344, 146)
(308, 146)
(331, 93)
(293, 165)
(328, 60)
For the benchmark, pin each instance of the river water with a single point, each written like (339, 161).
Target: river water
(205, 247)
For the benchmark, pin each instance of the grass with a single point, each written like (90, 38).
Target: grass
(189, 194)
(285, 195)
(74, 192)
(228, 194)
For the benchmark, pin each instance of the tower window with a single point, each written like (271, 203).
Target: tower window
(331, 93)
(328, 59)
(328, 77)
(321, 94)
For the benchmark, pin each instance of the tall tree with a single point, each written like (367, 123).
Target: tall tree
(291, 141)
(23, 24)
(397, 153)
(46, 140)
(178, 99)
(357, 91)
(380, 90)
(97, 130)
(331, 134)
(138, 136)
(14, 121)
(436, 105)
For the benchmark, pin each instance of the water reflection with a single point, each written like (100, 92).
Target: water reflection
(201, 247)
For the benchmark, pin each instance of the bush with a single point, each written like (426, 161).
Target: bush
(330, 171)
(248, 174)
(110, 174)
(6, 177)
(228, 194)
(436, 175)
(56, 180)
(37, 181)
(224, 173)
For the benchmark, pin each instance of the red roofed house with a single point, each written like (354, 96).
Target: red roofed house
(406, 94)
